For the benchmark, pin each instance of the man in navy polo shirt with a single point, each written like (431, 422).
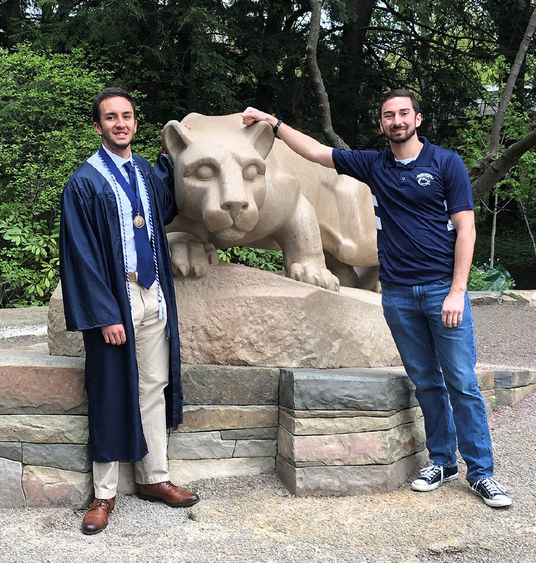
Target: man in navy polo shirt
(426, 233)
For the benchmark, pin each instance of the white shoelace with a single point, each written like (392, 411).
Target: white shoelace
(492, 487)
(431, 472)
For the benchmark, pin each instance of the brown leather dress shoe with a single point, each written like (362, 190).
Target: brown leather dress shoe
(96, 517)
(167, 493)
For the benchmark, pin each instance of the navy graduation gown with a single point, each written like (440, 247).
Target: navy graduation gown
(95, 295)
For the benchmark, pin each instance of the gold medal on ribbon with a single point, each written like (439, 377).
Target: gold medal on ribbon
(139, 221)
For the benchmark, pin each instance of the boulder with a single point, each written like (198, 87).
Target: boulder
(242, 316)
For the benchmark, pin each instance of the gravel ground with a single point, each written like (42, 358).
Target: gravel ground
(255, 519)
(505, 335)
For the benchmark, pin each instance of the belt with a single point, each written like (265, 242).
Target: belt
(133, 276)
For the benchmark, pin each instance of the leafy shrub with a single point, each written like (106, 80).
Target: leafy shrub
(489, 279)
(45, 133)
(28, 259)
(270, 260)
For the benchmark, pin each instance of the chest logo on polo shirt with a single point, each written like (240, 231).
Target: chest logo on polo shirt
(424, 179)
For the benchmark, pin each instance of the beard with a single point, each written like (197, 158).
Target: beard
(115, 144)
(112, 142)
(399, 139)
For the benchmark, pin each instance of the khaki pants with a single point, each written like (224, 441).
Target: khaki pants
(152, 354)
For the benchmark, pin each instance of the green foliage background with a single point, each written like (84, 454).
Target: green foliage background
(217, 57)
(45, 133)
(44, 136)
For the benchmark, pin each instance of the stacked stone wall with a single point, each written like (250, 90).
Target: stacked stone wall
(44, 458)
(351, 430)
(328, 432)
(348, 430)
(230, 423)
(512, 385)
(230, 428)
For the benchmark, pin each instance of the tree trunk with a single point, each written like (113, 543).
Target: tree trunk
(509, 88)
(493, 230)
(354, 84)
(510, 18)
(264, 95)
(491, 168)
(316, 75)
(486, 173)
(525, 217)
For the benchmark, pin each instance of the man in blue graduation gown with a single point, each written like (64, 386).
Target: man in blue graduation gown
(117, 284)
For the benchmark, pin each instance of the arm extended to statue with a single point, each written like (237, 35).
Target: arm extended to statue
(302, 144)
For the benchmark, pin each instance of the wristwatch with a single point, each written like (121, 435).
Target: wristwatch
(276, 127)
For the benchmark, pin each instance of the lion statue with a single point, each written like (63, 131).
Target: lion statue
(237, 186)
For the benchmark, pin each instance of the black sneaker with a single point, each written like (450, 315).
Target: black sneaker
(434, 476)
(492, 492)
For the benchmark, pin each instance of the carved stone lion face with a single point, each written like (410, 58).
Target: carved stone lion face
(219, 171)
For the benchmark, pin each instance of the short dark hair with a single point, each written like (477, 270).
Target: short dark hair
(399, 93)
(112, 92)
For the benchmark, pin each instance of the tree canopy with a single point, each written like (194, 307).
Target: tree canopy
(214, 56)
(218, 56)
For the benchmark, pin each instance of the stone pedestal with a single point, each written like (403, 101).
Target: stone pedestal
(338, 430)
(327, 432)
(513, 385)
(230, 423)
(229, 429)
(348, 431)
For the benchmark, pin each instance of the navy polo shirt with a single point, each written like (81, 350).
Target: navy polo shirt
(412, 204)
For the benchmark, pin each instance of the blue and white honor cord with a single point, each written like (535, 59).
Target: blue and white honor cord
(116, 188)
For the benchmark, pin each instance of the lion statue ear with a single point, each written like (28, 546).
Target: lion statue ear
(262, 136)
(174, 138)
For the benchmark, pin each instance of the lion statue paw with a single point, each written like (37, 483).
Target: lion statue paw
(190, 256)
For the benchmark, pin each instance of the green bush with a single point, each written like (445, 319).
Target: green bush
(489, 279)
(28, 259)
(271, 260)
(45, 133)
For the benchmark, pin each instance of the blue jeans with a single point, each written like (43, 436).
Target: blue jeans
(440, 361)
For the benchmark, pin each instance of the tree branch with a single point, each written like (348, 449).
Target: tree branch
(498, 120)
(492, 170)
(490, 166)
(442, 30)
(413, 34)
